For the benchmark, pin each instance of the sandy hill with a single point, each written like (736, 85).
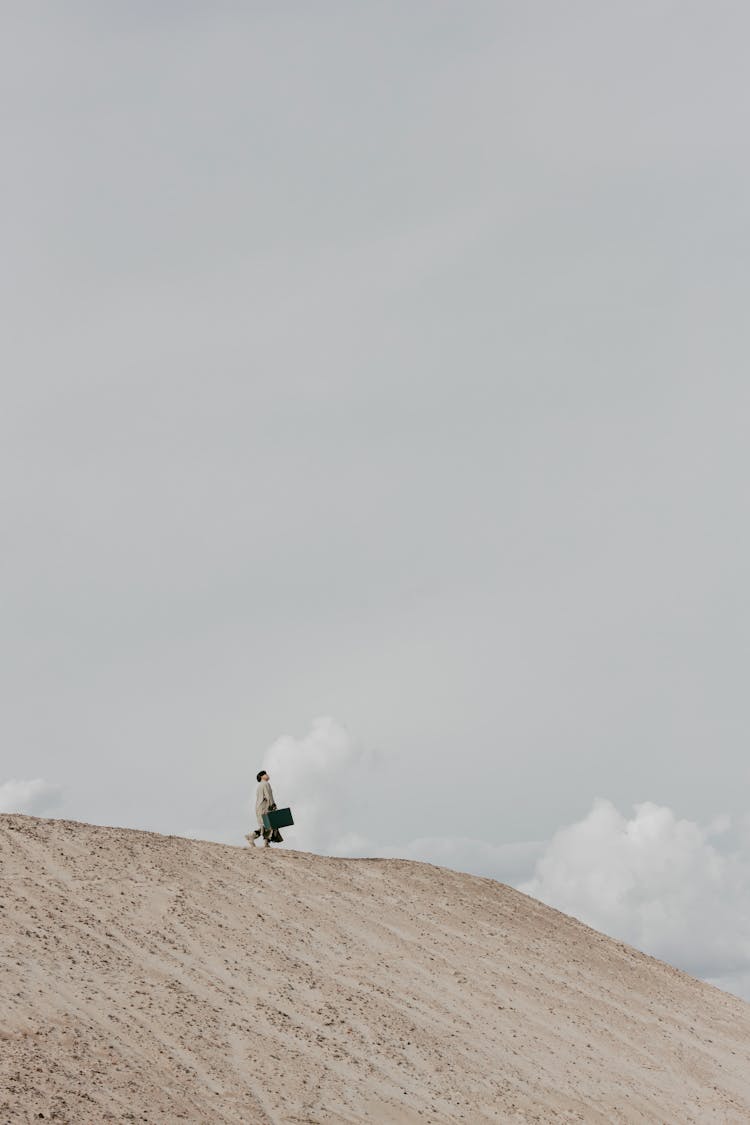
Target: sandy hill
(154, 979)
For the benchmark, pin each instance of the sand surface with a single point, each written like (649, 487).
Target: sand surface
(155, 979)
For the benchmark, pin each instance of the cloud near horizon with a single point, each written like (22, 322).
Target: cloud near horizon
(323, 777)
(34, 796)
(662, 883)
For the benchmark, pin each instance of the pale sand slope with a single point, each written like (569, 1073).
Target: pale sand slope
(151, 978)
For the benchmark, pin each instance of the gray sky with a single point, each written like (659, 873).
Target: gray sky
(386, 362)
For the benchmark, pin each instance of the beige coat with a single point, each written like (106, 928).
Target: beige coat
(263, 800)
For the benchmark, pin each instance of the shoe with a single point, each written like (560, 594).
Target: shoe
(268, 843)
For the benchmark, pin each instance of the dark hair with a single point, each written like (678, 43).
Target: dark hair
(261, 774)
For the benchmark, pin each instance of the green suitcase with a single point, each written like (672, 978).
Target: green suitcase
(278, 818)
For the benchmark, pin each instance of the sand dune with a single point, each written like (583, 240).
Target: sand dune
(149, 978)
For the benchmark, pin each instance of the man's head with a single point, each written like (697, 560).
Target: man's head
(262, 776)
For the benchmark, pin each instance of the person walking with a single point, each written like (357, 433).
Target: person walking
(264, 802)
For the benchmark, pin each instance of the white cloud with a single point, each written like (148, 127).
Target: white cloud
(323, 777)
(34, 797)
(659, 882)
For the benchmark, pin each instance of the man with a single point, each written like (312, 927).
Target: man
(264, 803)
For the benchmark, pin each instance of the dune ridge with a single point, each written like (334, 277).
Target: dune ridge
(150, 978)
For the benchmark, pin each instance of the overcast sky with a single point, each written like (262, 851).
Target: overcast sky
(382, 361)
